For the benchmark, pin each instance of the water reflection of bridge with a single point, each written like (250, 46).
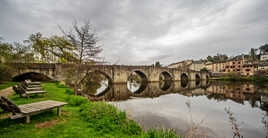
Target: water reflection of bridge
(239, 93)
(119, 92)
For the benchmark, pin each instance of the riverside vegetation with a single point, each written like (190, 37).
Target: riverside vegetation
(80, 118)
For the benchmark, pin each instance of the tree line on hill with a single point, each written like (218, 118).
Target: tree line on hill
(254, 55)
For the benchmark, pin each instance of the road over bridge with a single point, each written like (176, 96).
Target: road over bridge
(115, 73)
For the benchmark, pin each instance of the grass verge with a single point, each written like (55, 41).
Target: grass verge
(7, 84)
(80, 118)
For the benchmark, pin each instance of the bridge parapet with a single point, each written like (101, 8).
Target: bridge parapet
(116, 73)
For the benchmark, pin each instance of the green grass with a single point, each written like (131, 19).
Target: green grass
(80, 119)
(7, 84)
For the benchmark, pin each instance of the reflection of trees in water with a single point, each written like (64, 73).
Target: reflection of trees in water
(133, 86)
(136, 83)
(235, 125)
(195, 130)
(92, 82)
(134, 78)
(264, 121)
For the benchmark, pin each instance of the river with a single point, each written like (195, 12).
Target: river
(197, 109)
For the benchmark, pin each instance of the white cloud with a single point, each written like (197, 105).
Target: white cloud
(141, 32)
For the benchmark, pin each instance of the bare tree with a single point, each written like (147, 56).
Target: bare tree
(84, 39)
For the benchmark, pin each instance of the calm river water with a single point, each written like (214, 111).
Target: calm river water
(201, 109)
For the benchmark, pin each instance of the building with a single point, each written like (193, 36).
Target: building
(216, 67)
(233, 66)
(189, 64)
(181, 64)
(241, 67)
(197, 65)
(248, 70)
(263, 66)
(264, 57)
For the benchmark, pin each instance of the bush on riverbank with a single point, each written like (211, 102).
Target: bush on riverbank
(5, 73)
(105, 118)
(76, 100)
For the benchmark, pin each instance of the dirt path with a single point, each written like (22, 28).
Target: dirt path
(6, 92)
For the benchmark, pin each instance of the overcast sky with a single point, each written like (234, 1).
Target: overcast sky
(145, 31)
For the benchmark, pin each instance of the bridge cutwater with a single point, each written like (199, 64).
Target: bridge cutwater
(115, 73)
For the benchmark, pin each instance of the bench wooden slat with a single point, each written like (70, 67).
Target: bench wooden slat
(34, 92)
(36, 107)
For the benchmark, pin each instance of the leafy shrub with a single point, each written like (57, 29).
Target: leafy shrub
(106, 118)
(69, 91)
(76, 100)
(57, 83)
(62, 86)
(5, 73)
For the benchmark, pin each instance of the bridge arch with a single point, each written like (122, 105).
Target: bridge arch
(107, 81)
(143, 80)
(142, 75)
(184, 77)
(35, 76)
(110, 81)
(197, 76)
(184, 80)
(165, 76)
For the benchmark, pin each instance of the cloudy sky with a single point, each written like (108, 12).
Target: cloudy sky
(145, 31)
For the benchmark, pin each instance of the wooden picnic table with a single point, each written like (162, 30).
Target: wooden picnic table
(30, 109)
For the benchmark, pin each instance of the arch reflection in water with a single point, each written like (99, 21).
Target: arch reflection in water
(165, 85)
(184, 80)
(121, 92)
(137, 82)
(197, 79)
(95, 83)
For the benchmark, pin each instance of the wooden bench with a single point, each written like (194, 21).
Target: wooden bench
(23, 92)
(29, 82)
(30, 88)
(28, 110)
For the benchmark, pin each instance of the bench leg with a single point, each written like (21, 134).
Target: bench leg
(27, 119)
(58, 111)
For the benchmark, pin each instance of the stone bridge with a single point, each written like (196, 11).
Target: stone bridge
(115, 73)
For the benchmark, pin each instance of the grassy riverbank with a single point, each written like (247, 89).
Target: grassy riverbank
(80, 118)
(7, 84)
